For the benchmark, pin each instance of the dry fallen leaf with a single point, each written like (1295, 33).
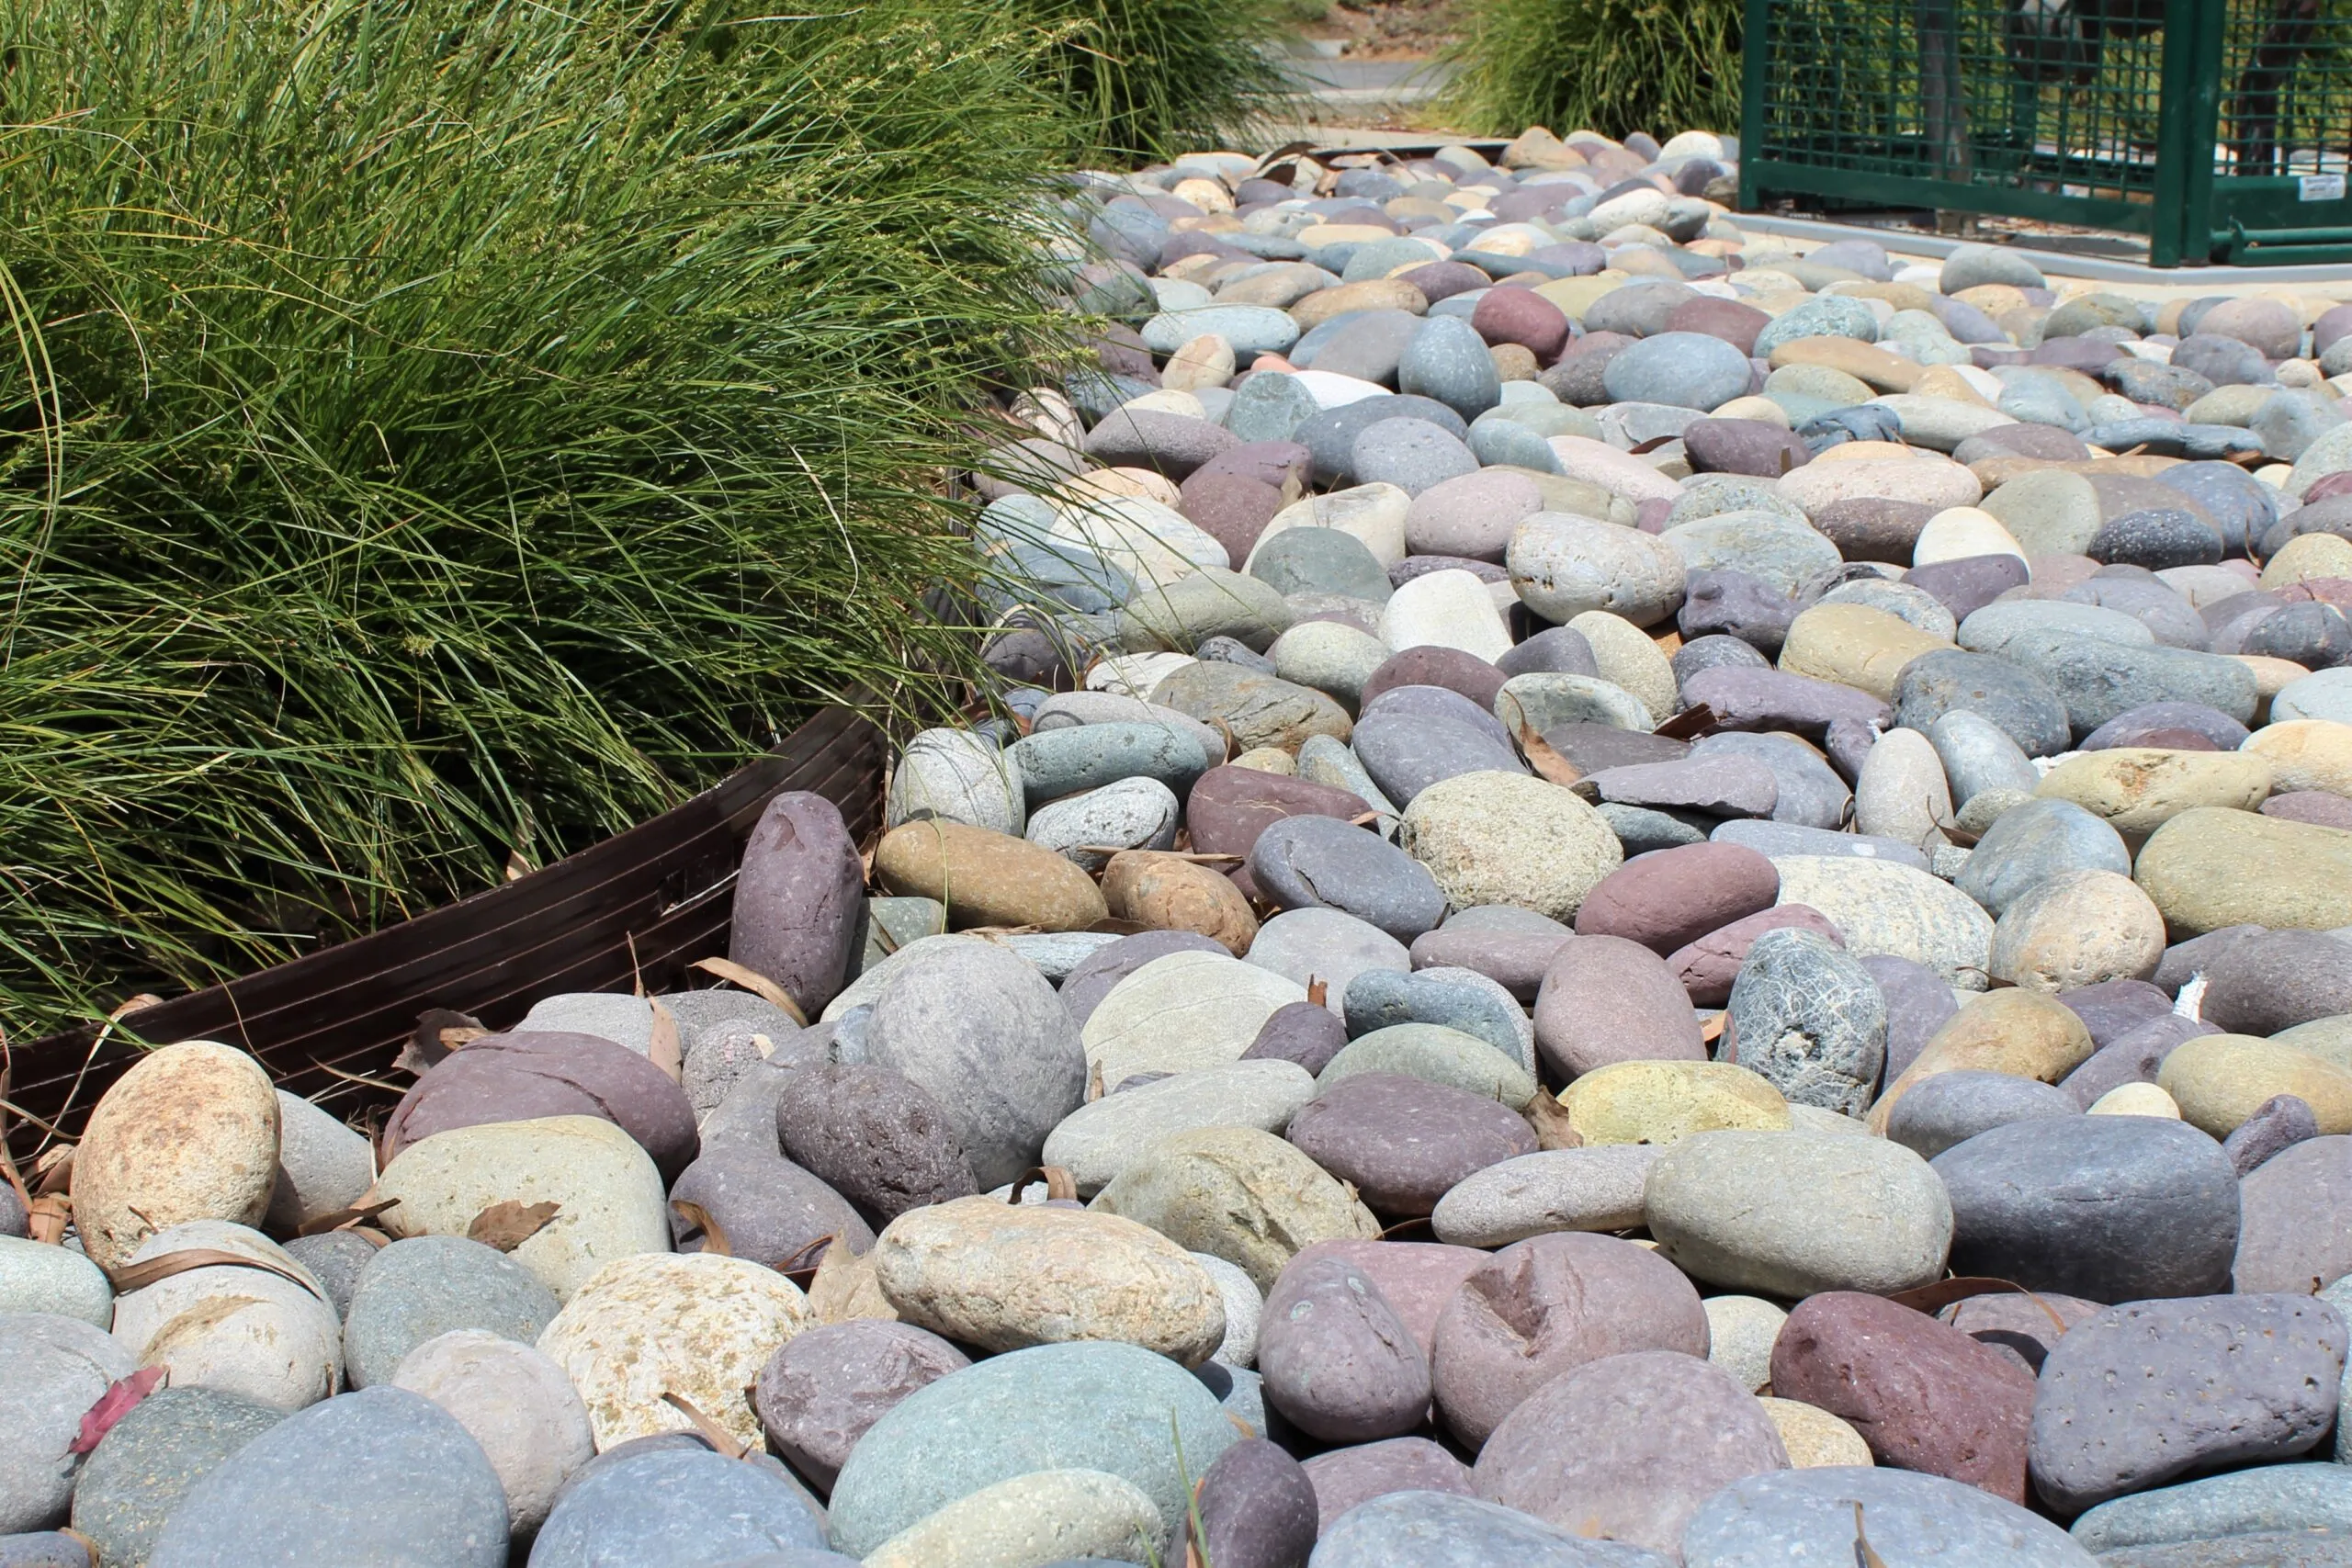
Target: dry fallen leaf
(120, 1399)
(343, 1219)
(845, 1289)
(754, 982)
(1933, 1298)
(139, 1275)
(665, 1049)
(509, 1225)
(1060, 1183)
(1550, 1119)
(1545, 758)
(717, 1436)
(714, 1234)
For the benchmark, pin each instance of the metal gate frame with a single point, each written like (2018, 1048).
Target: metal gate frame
(2172, 191)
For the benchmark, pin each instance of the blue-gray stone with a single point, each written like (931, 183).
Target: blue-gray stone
(429, 1285)
(2029, 844)
(1055, 763)
(675, 1507)
(1810, 1021)
(2241, 506)
(1947, 1109)
(2042, 400)
(2153, 604)
(1968, 265)
(1406, 752)
(146, 1463)
(1367, 344)
(2155, 537)
(1096, 393)
(1252, 330)
(1772, 838)
(2172, 438)
(1811, 793)
(1441, 703)
(2096, 680)
(2292, 418)
(1310, 343)
(1239, 1390)
(1310, 861)
(1830, 315)
(2323, 693)
(1376, 259)
(2105, 1208)
(334, 1259)
(1781, 552)
(1641, 828)
(2274, 1497)
(381, 1477)
(1978, 755)
(1496, 440)
(1024, 573)
(2149, 1391)
(1377, 998)
(1716, 650)
(1329, 437)
(1269, 406)
(1319, 560)
(1805, 1519)
(1412, 454)
(1112, 1407)
(1443, 1529)
(1990, 629)
(1448, 360)
(2011, 699)
(53, 1369)
(1690, 371)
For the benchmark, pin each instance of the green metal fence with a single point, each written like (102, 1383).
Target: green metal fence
(2221, 130)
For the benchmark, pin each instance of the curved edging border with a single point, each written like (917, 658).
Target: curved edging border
(639, 906)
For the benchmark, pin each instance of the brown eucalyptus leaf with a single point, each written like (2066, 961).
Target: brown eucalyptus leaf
(1318, 990)
(509, 1225)
(751, 980)
(343, 1219)
(1933, 1298)
(845, 1289)
(802, 1265)
(1692, 721)
(47, 1218)
(714, 1234)
(665, 1050)
(1550, 1119)
(1865, 1556)
(1060, 1183)
(439, 1031)
(1545, 758)
(717, 1436)
(139, 1275)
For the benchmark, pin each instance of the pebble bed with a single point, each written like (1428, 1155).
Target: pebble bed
(1592, 807)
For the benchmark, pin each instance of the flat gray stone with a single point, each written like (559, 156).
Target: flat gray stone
(146, 1463)
(675, 1507)
(2272, 1497)
(1439, 1529)
(1805, 1519)
(55, 1369)
(416, 1289)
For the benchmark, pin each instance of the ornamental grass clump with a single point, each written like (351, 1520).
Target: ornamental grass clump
(1149, 80)
(444, 432)
(1613, 66)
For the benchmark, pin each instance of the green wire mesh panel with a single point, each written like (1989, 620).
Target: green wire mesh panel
(2212, 126)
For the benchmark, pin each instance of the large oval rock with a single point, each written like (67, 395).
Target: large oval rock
(1948, 1109)
(978, 1029)
(1307, 861)
(676, 1507)
(1426, 1528)
(2036, 842)
(2024, 1033)
(1545, 1305)
(1790, 1213)
(1895, 910)
(1403, 1141)
(767, 1208)
(2107, 1207)
(1025, 1517)
(2265, 1513)
(2209, 868)
(1557, 1189)
(189, 1132)
(1632, 1444)
(1809, 1020)
(1663, 1103)
(1667, 901)
(36, 1277)
(322, 1165)
(1239, 1194)
(2148, 1391)
(1498, 838)
(148, 1459)
(531, 1077)
(426, 1286)
(799, 899)
(516, 1403)
(1807, 1517)
(693, 1325)
(1338, 1362)
(2077, 930)
(986, 877)
(609, 1199)
(2289, 1235)
(1005, 1276)
(2220, 1080)
(824, 1389)
(267, 1333)
(1925, 1396)
(954, 775)
(55, 1369)
(381, 1475)
(1113, 1408)
(1184, 1011)
(1103, 1136)
(882, 1144)
(1608, 1000)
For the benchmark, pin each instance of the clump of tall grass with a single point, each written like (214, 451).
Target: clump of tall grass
(1153, 79)
(446, 431)
(1614, 66)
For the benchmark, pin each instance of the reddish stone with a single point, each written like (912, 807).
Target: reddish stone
(1524, 316)
(1232, 509)
(1606, 1000)
(525, 1077)
(1738, 324)
(1403, 1142)
(1707, 966)
(1417, 1277)
(1430, 665)
(2311, 805)
(1669, 899)
(1924, 1394)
